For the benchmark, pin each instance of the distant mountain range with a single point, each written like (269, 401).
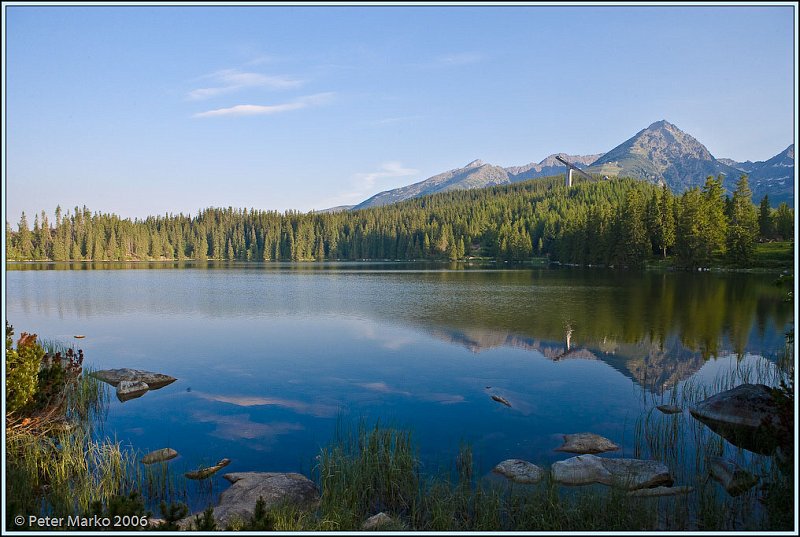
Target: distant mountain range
(661, 153)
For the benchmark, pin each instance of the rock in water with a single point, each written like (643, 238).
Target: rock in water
(376, 522)
(581, 470)
(660, 491)
(519, 471)
(587, 443)
(501, 400)
(747, 416)
(129, 389)
(239, 500)
(115, 376)
(670, 409)
(637, 473)
(203, 473)
(730, 475)
(627, 473)
(159, 455)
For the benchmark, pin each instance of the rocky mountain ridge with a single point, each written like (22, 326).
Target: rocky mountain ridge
(661, 153)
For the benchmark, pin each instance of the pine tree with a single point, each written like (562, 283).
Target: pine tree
(714, 207)
(634, 240)
(24, 239)
(743, 228)
(765, 223)
(784, 222)
(665, 229)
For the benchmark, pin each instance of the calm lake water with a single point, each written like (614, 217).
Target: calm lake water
(270, 356)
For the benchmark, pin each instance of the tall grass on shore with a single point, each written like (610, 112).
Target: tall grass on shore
(63, 474)
(371, 470)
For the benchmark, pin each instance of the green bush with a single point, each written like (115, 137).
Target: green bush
(22, 369)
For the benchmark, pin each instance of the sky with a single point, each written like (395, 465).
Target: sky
(147, 110)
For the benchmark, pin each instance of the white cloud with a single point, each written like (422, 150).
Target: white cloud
(363, 184)
(231, 80)
(268, 109)
(366, 181)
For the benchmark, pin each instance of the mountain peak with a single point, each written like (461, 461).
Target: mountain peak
(663, 124)
(475, 164)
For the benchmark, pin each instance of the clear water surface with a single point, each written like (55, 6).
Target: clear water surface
(270, 356)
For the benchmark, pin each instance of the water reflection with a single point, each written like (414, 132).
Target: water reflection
(269, 356)
(656, 328)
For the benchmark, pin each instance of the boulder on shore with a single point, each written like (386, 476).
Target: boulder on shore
(203, 473)
(115, 376)
(519, 471)
(748, 416)
(731, 476)
(584, 443)
(159, 455)
(627, 473)
(130, 389)
(239, 500)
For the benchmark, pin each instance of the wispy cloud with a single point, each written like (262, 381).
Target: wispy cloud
(231, 80)
(241, 427)
(268, 109)
(460, 58)
(314, 409)
(366, 181)
(381, 387)
(363, 184)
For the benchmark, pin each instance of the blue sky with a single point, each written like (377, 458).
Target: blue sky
(146, 110)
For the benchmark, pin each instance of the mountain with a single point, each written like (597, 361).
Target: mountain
(476, 174)
(746, 166)
(549, 166)
(774, 177)
(663, 152)
(337, 209)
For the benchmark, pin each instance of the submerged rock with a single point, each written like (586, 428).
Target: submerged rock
(731, 476)
(129, 389)
(660, 491)
(239, 500)
(502, 400)
(115, 376)
(519, 471)
(203, 473)
(670, 409)
(377, 522)
(584, 443)
(627, 473)
(747, 416)
(159, 455)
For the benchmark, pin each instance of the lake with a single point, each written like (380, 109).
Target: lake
(270, 357)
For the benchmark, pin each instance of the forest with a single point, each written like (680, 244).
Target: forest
(619, 222)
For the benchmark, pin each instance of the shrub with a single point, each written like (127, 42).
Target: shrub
(22, 369)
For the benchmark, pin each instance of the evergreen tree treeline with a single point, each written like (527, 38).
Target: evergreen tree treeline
(620, 222)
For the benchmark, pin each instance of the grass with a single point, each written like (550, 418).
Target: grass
(65, 474)
(371, 470)
(776, 252)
